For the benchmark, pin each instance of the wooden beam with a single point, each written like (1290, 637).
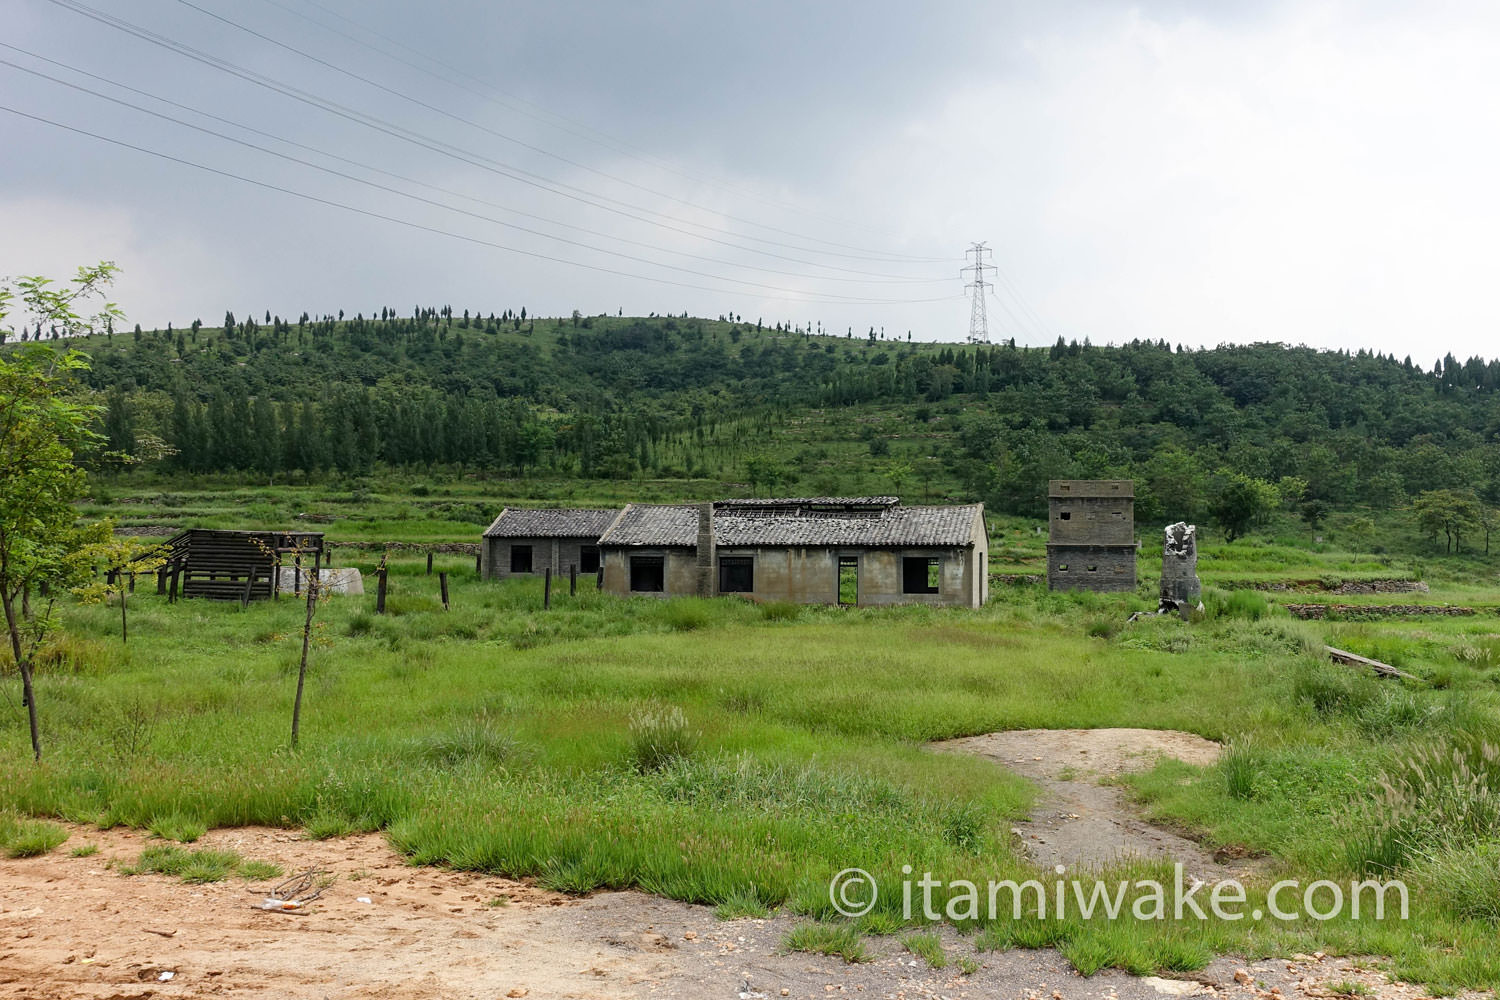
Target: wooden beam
(1349, 659)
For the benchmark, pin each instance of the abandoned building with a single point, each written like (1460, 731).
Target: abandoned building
(229, 565)
(523, 542)
(1091, 534)
(811, 550)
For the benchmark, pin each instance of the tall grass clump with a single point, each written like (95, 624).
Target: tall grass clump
(828, 939)
(477, 740)
(25, 838)
(1333, 691)
(1238, 766)
(780, 611)
(659, 736)
(1439, 800)
(1465, 879)
(1248, 605)
(687, 614)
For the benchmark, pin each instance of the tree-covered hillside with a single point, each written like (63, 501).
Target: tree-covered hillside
(775, 408)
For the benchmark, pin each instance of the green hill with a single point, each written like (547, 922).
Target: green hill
(738, 407)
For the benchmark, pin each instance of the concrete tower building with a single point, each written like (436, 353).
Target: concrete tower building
(1091, 534)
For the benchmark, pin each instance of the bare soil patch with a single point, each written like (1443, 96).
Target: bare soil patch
(74, 927)
(1079, 822)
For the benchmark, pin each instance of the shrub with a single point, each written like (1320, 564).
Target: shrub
(659, 736)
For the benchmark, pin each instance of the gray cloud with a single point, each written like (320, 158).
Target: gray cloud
(1302, 172)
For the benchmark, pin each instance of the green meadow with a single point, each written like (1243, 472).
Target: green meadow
(739, 755)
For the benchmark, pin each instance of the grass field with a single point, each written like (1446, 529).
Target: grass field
(739, 755)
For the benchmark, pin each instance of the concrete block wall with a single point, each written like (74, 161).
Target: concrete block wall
(1105, 569)
(557, 553)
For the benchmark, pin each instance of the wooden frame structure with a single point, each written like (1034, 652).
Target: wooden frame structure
(228, 565)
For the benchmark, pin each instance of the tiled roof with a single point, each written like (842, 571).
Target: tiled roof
(936, 526)
(677, 526)
(553, 522)
(809, 502)
(654, 524)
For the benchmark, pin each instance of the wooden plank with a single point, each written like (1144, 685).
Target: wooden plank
(1349, 659)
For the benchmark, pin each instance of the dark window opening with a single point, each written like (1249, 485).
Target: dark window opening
(520, 558)
(1066, 515)
(588, 559)
(736, 575)
(1093, 569)
(919, 575)
(648, 574)
(849, 580)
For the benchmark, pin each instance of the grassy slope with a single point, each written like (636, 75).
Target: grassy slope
(496, 736)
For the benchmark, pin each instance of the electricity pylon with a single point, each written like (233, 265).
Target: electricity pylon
(979, 324)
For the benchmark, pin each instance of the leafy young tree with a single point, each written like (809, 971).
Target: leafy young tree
(1241, 503)
(42, 425)
(1453, 512)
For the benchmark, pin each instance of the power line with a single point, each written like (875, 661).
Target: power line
(400, 177)
(391, 190)
(512, 103)
(433, 145)
(790, 293)
(328, 64)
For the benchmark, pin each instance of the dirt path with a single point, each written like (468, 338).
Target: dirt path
(73, 927)
(1077, 821)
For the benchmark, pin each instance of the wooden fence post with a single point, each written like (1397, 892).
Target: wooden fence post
(478, 564)
(443, 587)
(161, 581)
(547, 589)
(245, 597)
(380, 588)
(572, 579)
(429, 564)
(172, 593)
(599, 578)
(132, 583)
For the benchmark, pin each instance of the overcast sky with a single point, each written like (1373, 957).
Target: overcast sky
(1307, 172)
